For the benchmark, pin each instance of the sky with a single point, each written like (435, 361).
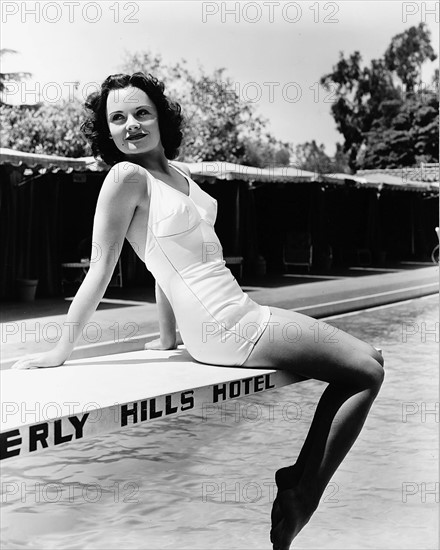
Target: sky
(275, 52)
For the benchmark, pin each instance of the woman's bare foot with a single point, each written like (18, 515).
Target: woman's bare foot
(285, 478)
(296, 511)
(292, 508)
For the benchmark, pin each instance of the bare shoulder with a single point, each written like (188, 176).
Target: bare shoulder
(182, 166)
(127, 177)
(126, 172)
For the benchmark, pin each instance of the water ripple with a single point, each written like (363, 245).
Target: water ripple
(188, 483)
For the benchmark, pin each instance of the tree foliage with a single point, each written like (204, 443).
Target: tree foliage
(51, 129)
(43, 128)
(311, 156)
(5, 77)
(407, 53)
(385, 121)
(405, 134)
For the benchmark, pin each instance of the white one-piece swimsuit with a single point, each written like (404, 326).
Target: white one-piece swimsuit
(218, 322)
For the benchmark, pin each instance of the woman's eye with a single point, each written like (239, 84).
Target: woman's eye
(141, 112)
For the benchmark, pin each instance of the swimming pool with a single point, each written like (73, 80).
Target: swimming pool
(206, 480)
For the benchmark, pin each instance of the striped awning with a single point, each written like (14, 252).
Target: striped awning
(52, 162)
(380, 180)
(210, 171)
(229, 171)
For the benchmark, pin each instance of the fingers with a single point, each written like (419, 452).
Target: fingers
(26, 363)
(153, 344)
(158, 345)
(43, 360)
(148, 345)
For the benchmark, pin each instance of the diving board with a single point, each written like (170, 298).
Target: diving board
(44, 408)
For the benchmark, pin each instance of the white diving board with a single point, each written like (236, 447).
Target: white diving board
(44, 408)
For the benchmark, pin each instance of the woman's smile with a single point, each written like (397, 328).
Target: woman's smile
(136, 137)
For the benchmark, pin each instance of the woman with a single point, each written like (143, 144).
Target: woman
(169, 221)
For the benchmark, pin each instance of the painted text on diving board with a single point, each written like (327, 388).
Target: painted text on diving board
(26, 437)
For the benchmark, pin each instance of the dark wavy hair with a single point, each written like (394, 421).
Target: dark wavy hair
(95, 127)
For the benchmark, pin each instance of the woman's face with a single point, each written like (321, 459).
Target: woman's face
(133, 121)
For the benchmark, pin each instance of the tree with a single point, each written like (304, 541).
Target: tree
(407, 53)
(311, 156)
(219, 125)
(374, 104)
(6, 77)
(51, 129)
(405, 134)
(265, 154)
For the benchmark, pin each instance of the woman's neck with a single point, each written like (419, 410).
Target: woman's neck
(153, 161)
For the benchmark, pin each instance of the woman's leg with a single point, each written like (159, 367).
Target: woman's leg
(354, 371)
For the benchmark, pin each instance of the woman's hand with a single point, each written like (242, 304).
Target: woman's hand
(158, 344)
(51, 358)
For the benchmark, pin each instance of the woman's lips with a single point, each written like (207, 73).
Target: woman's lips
(136, 137)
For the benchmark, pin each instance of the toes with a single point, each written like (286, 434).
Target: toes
(276, 534)
(286, 529)
(277, 523)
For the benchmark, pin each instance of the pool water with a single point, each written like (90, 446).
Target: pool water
(206, 481)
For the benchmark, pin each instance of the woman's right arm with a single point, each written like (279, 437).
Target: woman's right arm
(117, 202)
(168, 339)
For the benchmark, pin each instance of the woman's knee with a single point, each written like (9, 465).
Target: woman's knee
(374, 371)
(377, 355)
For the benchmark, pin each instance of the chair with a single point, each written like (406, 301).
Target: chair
(298, 250)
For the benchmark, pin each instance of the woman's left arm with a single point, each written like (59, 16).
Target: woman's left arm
(167, 320)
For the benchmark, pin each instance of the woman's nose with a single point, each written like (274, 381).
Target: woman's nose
(132, 124)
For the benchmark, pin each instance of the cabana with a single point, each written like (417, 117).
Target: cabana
(48, 203)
